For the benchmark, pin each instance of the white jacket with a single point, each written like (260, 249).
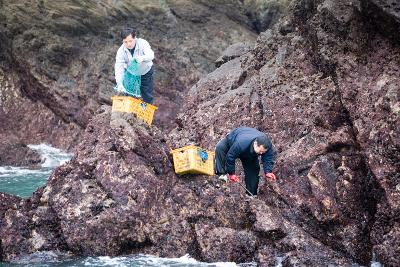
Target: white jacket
(124, 58)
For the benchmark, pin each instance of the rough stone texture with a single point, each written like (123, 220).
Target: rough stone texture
(323, 84)
(256, 14)
(119, 195)
(24, 121)
(233, 51)
(225, 244)
(6, 202)
(56, 59)
(387, 12)
(391, 7)
(14, 154)
(332, 114)
(27, 228)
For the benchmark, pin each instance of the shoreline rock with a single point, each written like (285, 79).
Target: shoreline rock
(19, 155)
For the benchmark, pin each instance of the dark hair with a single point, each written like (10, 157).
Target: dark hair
(263, 140)
(125, 32)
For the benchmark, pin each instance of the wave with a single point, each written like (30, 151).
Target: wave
(22, 181)
(8, 171)
(51, 156)
(54, 259)
(153, 261)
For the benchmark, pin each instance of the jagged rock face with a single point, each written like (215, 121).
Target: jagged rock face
(57, 59)
(18, 155)
(26, 228)
(6, 202)
(233, 51)
(390, 7)
(332, 114)
(119, 195)
(387, 13)
(256, 14)
(316, 85)
(24, 121)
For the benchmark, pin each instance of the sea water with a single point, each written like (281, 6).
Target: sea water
(125, 261)
(22, 181)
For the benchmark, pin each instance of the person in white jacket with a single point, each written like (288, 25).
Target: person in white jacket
(139, 50)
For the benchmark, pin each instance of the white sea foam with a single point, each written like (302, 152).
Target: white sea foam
(6, 171)
(153, 261)
(22, 181)
(51, 156)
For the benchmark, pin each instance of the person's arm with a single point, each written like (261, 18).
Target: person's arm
(148, 52)
(120, 66)
(268, 160)
(231, 156)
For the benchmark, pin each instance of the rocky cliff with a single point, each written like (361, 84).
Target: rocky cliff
(119, 195)
(57, 59)
(323, 83)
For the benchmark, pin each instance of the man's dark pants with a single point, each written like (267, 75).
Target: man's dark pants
(146, 86)
(251, 166)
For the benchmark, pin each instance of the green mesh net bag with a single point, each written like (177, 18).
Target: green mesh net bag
(131, 82)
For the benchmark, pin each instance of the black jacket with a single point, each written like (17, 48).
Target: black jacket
(240, 141)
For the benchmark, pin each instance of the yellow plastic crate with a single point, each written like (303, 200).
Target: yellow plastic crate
(193, 159)
(122, 104)
(143, 110)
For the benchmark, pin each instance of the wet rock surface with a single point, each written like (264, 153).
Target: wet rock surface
(26, 228)
(14, 154)
(323, 84)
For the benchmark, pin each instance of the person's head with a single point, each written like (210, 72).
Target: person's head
(128, 36)
(261, 144)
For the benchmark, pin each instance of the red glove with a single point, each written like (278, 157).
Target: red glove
(270, 176)
(234, 178)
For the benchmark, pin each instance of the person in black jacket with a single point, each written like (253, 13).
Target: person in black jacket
(247, 144)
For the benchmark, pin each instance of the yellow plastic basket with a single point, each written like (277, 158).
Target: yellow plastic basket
(193, 159)
(122, 104)
(143, 110)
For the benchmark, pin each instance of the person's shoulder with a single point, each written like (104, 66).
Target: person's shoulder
(141, 40)
(120, 49)
(243, 130)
